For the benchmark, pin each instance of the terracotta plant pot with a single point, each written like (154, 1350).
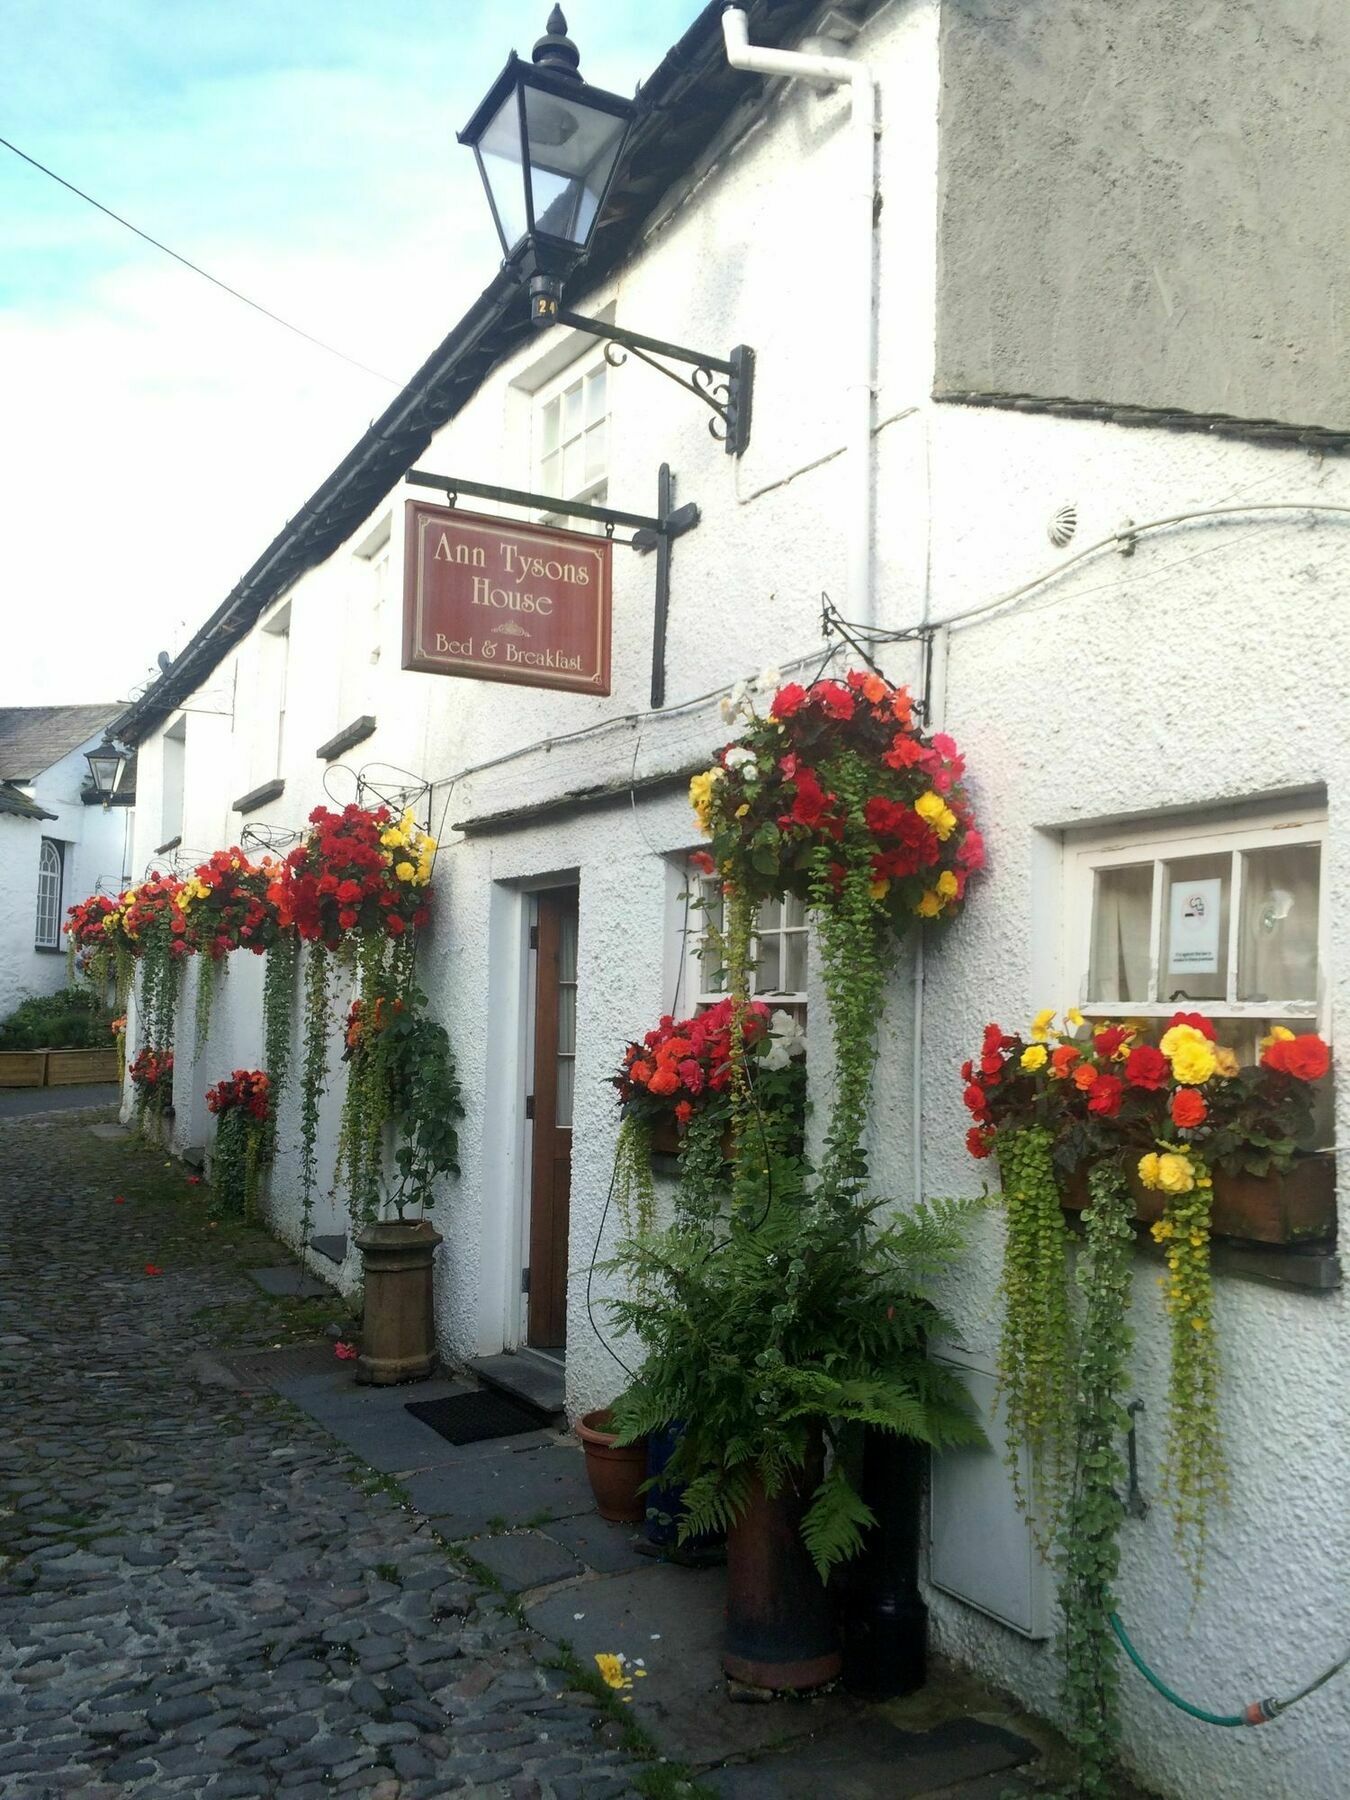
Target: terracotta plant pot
(780, 1632)
(616, 1473)
(398, 1337)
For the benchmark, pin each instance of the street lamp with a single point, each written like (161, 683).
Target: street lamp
(547, 145)
(107, 765)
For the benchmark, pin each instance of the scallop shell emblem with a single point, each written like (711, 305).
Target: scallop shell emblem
(1063, 525)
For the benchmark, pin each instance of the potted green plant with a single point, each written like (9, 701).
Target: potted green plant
(616, 1469)
(774, 1330)
(401, 1081)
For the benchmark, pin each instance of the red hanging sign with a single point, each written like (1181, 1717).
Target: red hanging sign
(498, 600)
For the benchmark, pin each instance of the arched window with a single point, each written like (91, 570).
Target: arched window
(50, 868)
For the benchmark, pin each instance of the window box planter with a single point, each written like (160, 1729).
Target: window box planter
(23, 1068)
(1297, 1208)
(70, 1068)
(666, 1136)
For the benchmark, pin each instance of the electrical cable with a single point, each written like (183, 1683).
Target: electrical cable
(1258, 1712)
(205, 274)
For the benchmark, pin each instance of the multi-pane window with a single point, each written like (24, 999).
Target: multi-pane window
(1228, 920)
(51, 868)
(572, 433)
(777, 950)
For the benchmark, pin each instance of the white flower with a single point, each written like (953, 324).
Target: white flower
(736, 704)
(770, 680)
(785, 1041)
(738, 757)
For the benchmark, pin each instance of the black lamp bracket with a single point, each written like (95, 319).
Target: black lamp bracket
(729, 399)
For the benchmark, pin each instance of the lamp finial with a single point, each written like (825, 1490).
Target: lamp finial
(555, 50)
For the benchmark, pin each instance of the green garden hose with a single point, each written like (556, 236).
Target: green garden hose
(1257, 1713)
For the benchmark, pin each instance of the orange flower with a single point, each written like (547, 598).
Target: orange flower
(1188, 1108)
(1062, 1060)
(874, 689)
(1084, 1076)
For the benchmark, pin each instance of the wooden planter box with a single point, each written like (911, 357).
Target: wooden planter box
(23, 1068)
(666, 1139)
(71, 1068)
(1297, 1208)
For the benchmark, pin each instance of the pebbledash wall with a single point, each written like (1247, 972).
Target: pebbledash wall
(1203, 670)
(96, 847)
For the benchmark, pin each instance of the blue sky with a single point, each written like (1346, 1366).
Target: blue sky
(304, 153)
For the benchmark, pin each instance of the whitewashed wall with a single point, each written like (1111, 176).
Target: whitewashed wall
(1208, 667)
(97, 844)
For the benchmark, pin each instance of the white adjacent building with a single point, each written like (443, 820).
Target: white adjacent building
(58, 842)
(1095, 512)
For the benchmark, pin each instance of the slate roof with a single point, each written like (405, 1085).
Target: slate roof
(681, 109)
(17, 805)
(32, 738)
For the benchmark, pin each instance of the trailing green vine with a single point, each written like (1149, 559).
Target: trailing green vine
(313, 1073)
(1088, 1548)
(242, 1107)
(210, 972)
(283, 957)
(634, 1188)
(1195, 1472)
(1036, 1345)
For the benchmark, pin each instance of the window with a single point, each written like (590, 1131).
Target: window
(778, 950)
(51, 873)
(174, 744)
(275, 644)
(571, 428)
(1226, 918)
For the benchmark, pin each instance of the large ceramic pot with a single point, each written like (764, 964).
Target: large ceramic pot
(780, 1632)
(616, 1471)
(398, 1338)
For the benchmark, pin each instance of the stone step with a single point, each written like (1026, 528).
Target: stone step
(333, 1246)
(535, 1381)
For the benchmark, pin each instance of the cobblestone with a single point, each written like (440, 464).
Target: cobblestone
(189, 1597)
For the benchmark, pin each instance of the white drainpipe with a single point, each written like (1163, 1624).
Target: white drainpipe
(857, 280)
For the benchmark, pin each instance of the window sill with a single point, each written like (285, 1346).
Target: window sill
(49, 949)
(350, 735)
(260, 796)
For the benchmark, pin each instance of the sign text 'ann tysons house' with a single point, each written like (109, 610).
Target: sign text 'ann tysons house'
(497, 601)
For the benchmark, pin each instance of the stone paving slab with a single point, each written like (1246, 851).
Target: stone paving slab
(601, 1545)
(466, 1493)
(291, 1281)
(525, 1559)
(18, 1103)
(672, 1619)
(871, 1759)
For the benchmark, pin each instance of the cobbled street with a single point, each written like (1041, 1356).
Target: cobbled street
(201, 1593)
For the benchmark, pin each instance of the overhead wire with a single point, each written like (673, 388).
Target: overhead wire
(196, 268)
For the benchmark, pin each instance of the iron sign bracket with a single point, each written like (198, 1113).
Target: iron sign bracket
(656, 533)
(729, 399)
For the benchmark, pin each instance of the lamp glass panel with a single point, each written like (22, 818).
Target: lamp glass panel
(499, 148)
(572, 149)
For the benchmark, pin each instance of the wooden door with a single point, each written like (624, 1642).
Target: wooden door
(555, 1043)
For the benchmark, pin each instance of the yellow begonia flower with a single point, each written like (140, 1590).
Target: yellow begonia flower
(1180, 1034)
(930, 906)
(1278, 1034)
(1225, 1061)
(1035, 1056)
(1175, 1174)
(1193, 1062)
(1040, 1025)
(1073, 1018)
(1148, 1174)
(879, 889)
(404, 871)
(611, 1669)
(934, 811)
(701, 796)
(947, 885)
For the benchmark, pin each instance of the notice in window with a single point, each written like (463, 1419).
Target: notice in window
(1194, 935)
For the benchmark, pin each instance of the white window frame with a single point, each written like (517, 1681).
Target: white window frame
(1162, 841)
(695, 968)
(593, 490)
(49, 911)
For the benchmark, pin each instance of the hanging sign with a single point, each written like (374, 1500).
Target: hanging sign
(1194, 933)
(499, 600)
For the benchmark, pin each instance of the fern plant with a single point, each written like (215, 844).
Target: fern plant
(790, 1320)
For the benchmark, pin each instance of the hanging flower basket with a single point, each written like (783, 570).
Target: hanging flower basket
(226, 905)
(358, 871)
(837, 772)
(242, 1105)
